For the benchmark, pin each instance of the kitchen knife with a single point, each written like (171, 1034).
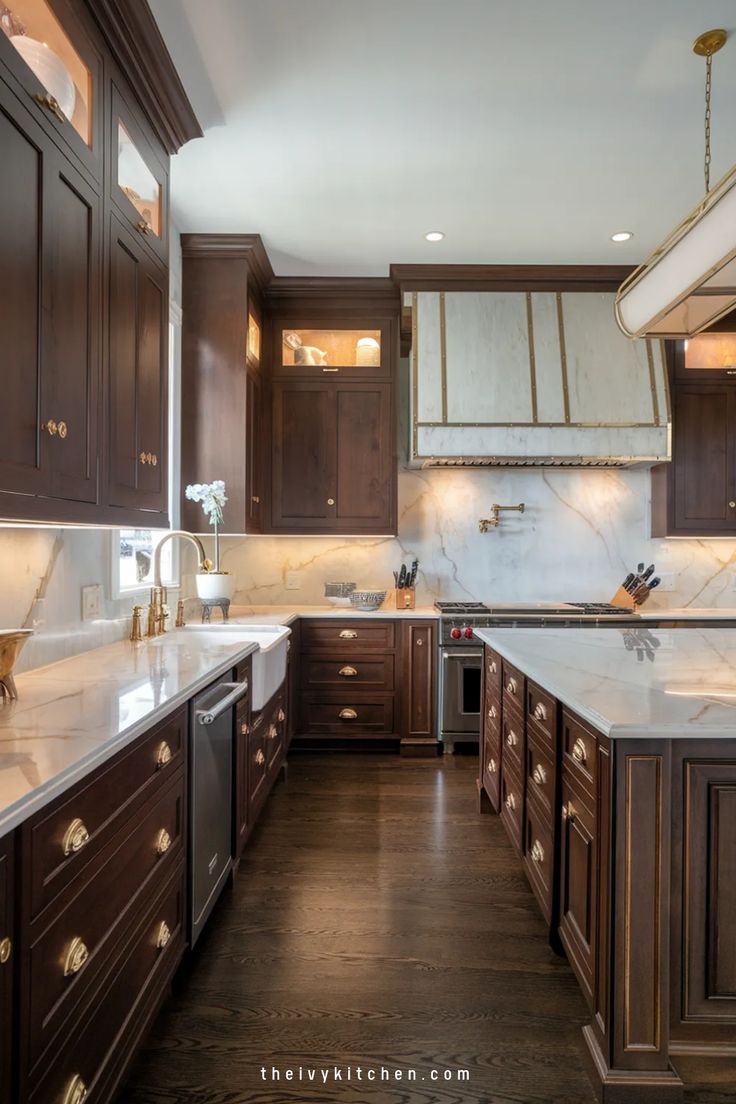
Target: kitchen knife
(413, 573)
(628, 581)
(654, 583)
(640, 567)
(402, 577)
(648, 573)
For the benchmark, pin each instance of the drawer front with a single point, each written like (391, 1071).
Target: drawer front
(67, 956)
(493, 671)
(541, 713)
(578, 883)
(65, 839)
(512, 739)
(258, 761)
(346, 717)
(366, 672)
(513, 686)
(138, 977)
(492, 712)
(540, 774)
(512, 804)
(491, 766)
(579, 752)
(343, 637)
(539, 855)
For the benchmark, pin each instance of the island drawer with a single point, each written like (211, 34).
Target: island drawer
(493, 669)
(491, 766)
(513, 686)
(65, 838)
(541, 713)
(65, 956)
(91, 1052)
(540, 773)
(345, 716)
(512, 739)
(512, 804)
(342, 637)
(539, 855)
(367, 672)
(579, 752)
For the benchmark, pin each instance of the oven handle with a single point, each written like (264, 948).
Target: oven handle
(452, 653)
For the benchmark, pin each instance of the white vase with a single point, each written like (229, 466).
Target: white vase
(215, 586)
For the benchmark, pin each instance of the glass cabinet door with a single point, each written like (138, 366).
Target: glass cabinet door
(253, 340)
(59, 72)
(323, 351)
(138, 183)
(709, 356)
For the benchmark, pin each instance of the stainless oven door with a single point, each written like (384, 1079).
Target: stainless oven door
(461, 689)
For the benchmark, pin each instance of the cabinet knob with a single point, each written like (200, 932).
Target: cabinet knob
(76, 956)
(281, 716)
(163, 755)
(76, 837)
(163, 842)
(348, 672)
(579, 753)
(330, 502)
(143, 458)
(732, 504)
(244, 730)
(75, 1092)
(272, 732)
(348, 715)
(163, 935)
(420, 642)
(6, 949)
(256, 499)
(539, 774)
(51, 104)
(51, 427)
(537, 852)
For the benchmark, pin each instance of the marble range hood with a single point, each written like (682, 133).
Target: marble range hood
(533, 379)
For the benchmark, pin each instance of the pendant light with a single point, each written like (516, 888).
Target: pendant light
(689, 282)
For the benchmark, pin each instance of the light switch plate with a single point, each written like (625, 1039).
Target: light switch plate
(293, 580)
(91, 602)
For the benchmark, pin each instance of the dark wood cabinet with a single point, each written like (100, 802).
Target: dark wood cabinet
(254, 451)
(7, 966)
(138, 375)
(578, 881)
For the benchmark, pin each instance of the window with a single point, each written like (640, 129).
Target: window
(132, 560)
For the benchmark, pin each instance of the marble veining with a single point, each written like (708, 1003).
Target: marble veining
(633, 682)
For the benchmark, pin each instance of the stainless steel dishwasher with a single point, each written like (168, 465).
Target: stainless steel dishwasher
(211, 796)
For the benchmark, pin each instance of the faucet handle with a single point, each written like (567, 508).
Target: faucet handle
(135, 627)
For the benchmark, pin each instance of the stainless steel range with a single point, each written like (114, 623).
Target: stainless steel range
(461, 654)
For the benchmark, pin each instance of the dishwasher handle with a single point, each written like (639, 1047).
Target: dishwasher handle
(238, 691)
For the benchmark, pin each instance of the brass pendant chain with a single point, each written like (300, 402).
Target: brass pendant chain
(708, 84)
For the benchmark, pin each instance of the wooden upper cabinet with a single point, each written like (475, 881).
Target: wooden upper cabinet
(49, 55)
(138, 332)
(50, 317)
(138, 178)
(303, 457)
(344, 349)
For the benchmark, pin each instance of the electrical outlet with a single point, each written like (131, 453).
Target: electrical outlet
(293, 580)
(91, 602)
(668, 581)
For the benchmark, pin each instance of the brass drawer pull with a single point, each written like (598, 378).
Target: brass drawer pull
(63, 430)
(76, 956)
(281, 716)
(163, 842)
(143, 226)
(491, 766)
(511, 686)
(76, 837)
(492, 668)
(6, 949)
(76, 1091)
(260, 758)
(510, 801)
(568, 812)
(348, 634)
(163, 935)
(579, 753)
(51, 104)
(348, 715)
(511, 738)
(256, 499)
(244, 729)
(348, 672)
(493, 712)
(539, 774)
(272, 732)
(537, 852)
(540, 712)
(163, 755)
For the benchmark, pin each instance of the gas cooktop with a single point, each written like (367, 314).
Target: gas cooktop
(460, 609)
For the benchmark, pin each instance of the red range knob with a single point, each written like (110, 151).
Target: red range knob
(455, 634)
(468, 633)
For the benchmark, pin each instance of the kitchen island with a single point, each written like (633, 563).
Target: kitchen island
(611, 758)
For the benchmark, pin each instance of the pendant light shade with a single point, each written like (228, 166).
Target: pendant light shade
(689, 282)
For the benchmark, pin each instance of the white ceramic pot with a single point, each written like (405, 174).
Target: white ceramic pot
(215, 586)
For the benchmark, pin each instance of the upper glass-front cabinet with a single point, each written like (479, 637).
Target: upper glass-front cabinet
(58, 67)
(253, 340)
(713, 354)
(138, 183)
(318, 351)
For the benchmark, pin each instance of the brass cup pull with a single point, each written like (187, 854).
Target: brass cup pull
(76, 837)
(492, 712)
(537, 852)
(76, 956)
(260, 758)
(348, 715)
(512, 739)
(51, 104)
(491, 766)
(244, 730)
(163, 755)
(511, 686)
(281, 716)
(76, 1091)
(348, 634)
(163, 842)
(568, 812)
(348, 672)
(539, 774)
(163, 935)
(6, 949)
(579, 753)
(272, 732)
(510, 801)
(492, 668)
(62, 429)
(154, 459)
(143, 226)
(540, 712)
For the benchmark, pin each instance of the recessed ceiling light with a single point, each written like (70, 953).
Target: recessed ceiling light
(434, 235)
(622, 235)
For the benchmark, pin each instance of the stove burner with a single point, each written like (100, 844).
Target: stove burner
(601, 608)
(462, 608)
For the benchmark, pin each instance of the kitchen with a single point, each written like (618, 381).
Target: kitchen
(368, 549)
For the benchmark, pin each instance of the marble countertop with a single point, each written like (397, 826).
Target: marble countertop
(75, 714)
(285, 615)
(634, 682)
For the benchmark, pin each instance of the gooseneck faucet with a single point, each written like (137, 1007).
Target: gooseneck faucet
(157, 611)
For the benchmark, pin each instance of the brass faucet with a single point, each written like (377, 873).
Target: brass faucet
(135, 626)
(157, 610)
(495, 520)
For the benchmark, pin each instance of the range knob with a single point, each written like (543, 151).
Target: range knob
(468, 632)
(455, 633)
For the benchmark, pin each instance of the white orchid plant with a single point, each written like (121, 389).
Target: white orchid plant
(212, 498)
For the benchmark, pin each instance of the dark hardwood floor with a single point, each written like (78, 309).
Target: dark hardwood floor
(377, 921)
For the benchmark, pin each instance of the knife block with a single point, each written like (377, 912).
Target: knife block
(623, 599)
(406, 598)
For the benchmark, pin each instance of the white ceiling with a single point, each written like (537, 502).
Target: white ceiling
(527, 130)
